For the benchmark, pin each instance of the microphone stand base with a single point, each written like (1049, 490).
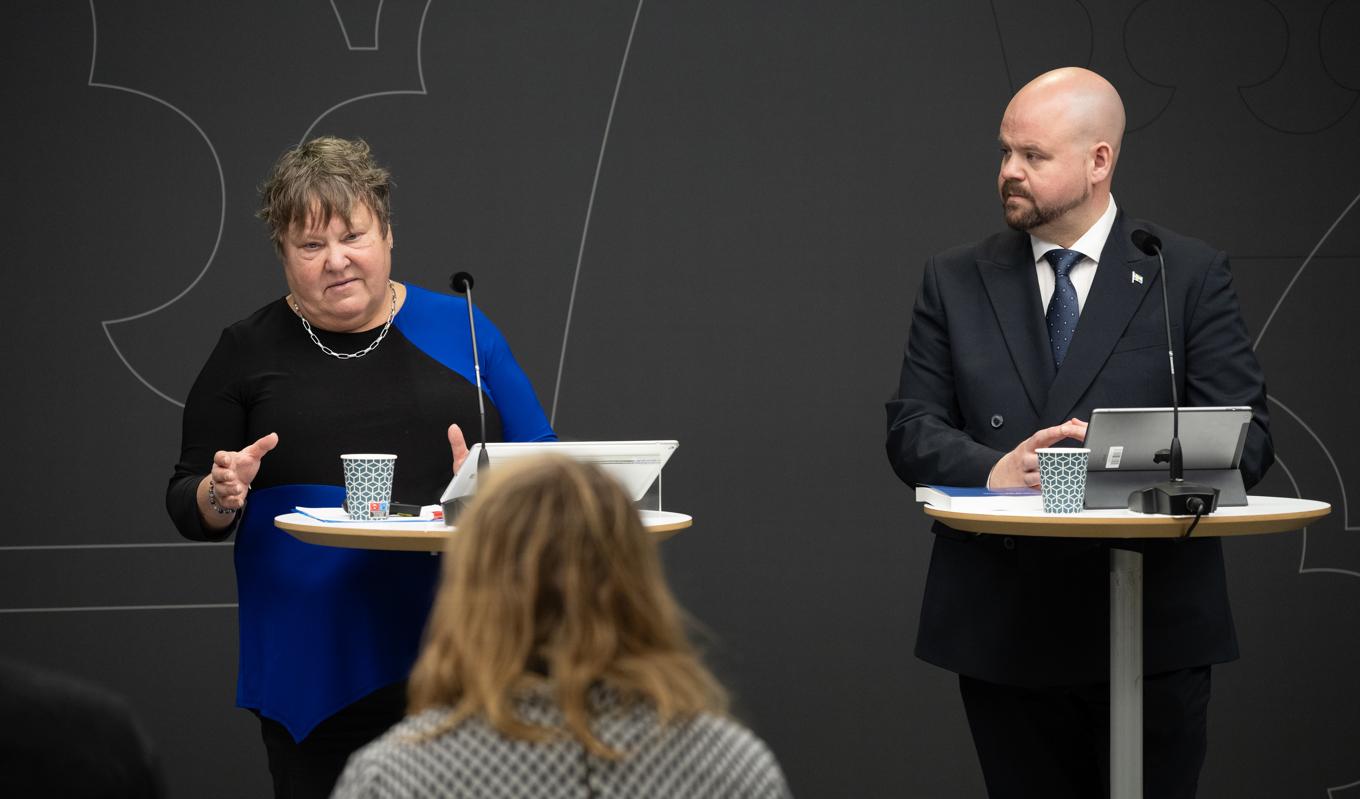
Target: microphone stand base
(1172, 498)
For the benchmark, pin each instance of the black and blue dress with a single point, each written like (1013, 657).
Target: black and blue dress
(322, 627)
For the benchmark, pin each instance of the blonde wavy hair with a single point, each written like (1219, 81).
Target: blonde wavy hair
(551, 583)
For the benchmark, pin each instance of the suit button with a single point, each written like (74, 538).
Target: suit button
(997, 420)
(1008, 542)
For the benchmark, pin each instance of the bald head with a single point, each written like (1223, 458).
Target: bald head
(1073, 101)
(1060, 139)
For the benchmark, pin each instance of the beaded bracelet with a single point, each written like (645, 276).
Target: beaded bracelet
(212, 500)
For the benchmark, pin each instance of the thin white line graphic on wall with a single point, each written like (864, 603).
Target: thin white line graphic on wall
(377, 21)
(106, 608)
(221, 218)
(590, 207)
(420, 71)
(1331, 460)
(1345, 504)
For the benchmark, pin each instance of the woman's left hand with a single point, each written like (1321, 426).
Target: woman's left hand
(459, 446)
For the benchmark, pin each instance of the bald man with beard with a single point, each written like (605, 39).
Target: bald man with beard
(1013, 341)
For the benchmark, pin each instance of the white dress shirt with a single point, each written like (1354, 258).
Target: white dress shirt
(1084, 273)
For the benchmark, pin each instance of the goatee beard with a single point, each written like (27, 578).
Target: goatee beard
(1036, 215)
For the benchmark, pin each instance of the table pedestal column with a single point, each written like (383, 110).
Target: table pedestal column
(1126, 674)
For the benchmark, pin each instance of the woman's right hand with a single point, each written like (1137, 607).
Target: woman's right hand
(233, 472)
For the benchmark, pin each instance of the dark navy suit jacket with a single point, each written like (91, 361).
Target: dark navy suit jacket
(978, 378)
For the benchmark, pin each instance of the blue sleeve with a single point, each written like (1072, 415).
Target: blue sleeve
(522, 417)
(437, 325)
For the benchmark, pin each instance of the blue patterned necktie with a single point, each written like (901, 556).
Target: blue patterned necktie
(1063, 310)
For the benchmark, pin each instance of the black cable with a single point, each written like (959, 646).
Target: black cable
(1197, 505)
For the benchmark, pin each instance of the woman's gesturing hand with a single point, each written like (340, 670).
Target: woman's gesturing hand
(458, 445)
(233, 472)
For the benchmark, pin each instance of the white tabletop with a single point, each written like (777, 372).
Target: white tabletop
(1259, 515)
(424, 536)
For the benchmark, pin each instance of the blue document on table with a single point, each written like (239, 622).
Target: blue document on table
(980, 498)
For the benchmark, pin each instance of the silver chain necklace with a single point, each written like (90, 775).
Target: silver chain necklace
(344, 356)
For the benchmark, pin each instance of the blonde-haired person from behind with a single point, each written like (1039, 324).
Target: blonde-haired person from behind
(555, 663)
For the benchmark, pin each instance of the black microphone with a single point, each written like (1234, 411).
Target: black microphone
(461, 283)
(1174, 497)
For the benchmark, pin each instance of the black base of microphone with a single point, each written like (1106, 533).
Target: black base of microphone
(1174, 498)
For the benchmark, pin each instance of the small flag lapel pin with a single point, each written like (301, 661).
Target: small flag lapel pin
(1136, 278)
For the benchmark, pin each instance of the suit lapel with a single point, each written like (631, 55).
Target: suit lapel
(1013, 289)
(1113, 299)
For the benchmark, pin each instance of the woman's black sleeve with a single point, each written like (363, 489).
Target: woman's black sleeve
(214, 419)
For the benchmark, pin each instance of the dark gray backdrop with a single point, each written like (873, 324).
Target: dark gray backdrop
(738, 196)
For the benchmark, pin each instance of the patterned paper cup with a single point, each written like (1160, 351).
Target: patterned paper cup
(1062, 478)
(368, 485)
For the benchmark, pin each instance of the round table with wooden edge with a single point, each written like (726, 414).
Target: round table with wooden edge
(1259, 516)
(409, 536)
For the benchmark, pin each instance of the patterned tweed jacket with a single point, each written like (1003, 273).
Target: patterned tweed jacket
(705, 756)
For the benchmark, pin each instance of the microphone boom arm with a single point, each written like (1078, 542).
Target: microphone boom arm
(461, 282)
(1174, 497)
